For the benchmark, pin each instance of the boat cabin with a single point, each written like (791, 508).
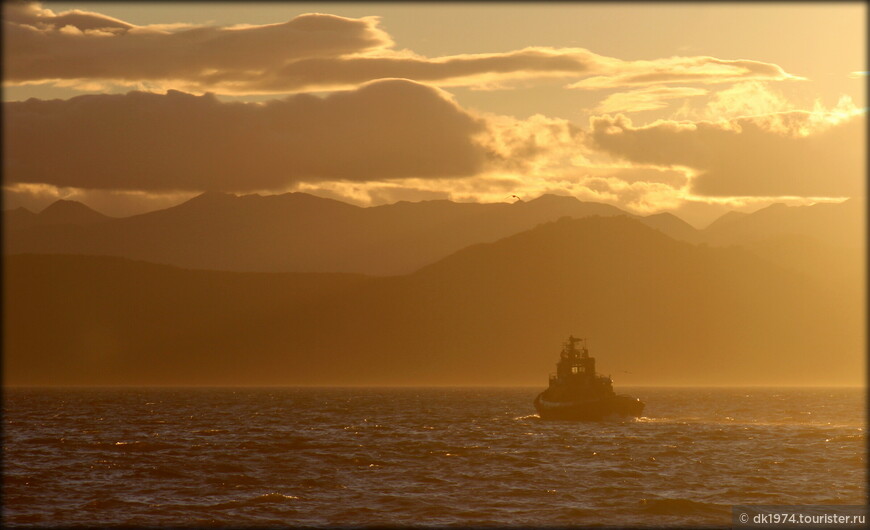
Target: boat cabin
(575, 361)
(576, 369)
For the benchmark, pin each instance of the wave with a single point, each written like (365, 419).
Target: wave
(234, 480)
(857, 438)
(110, 503)
(259, 500)
(163, 472)
(669, 506)
(141, 446)
(527, 417)
(494, 462)
(619, 473)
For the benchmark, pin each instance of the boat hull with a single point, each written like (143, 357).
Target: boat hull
(589, 410)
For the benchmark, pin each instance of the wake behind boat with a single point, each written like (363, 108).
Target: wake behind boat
(576, 392)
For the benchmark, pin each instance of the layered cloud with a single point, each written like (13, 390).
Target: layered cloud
(388, 130)
(86, 46)
(142, 141)
(646, 98)
(311, 52)
(480, 70)
(794, 153)
(706, 70)
(400, 139)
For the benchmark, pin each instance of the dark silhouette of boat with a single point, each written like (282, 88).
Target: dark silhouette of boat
(576, 392)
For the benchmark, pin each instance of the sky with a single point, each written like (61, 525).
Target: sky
(689, 108)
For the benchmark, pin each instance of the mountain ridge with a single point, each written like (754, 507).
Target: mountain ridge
(491, 313)
(299, 232)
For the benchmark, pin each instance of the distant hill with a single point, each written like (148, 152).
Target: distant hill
(655, 310)
(58, 219)
(724, 220)
(61, 212)
(18, 218)
(70, 212)
(297, 232)
(671, 225)
(841, 225)
(826, 241)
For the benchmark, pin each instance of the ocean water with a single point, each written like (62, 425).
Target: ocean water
(420, 456)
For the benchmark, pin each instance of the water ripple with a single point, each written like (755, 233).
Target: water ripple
(468, 457)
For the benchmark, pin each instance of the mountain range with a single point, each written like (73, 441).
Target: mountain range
(297, 232)
(657, 310)
(60, 212)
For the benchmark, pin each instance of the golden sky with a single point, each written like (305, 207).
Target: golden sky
(690, 108)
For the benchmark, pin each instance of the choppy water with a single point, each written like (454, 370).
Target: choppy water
(302, 456)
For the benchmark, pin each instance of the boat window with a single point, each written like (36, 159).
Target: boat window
(574, 369)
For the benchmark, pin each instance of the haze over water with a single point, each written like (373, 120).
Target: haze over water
(420, 456)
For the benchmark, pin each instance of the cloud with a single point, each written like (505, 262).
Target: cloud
(311, 52)
(641, 197)
(40, 45)
(796, 153)
(386, 135)
(178, 142)
(379, 193)
(631, 174)
(705, 70)
(35, 197)
(483, 188)
(33, 15)
(752, 98)
(647, 98)
(479, 70)
(536, 145)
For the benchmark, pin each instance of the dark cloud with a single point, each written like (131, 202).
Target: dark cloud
(174, 142)
(786, 154)
(80, 45)
(31, 14)
(459, 69)
(310, 52)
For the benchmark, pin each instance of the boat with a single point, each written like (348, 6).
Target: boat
(576, 392)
